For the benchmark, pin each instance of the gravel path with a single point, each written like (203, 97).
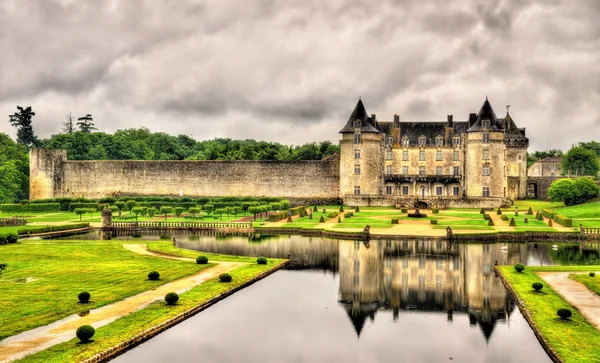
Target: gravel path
(586, 301)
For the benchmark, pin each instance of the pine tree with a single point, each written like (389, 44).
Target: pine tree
(22, 121)
(85, 124)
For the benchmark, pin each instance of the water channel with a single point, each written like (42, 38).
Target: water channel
(349, 301)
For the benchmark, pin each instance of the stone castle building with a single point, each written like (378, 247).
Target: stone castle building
(481, 161)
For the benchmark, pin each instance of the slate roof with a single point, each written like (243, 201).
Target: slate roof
(430, 129)
(367, 124)
(513, 130)
(486, 112)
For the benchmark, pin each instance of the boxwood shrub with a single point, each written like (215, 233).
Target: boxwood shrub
(153, 275)
(202, 260)
(519, 267)
(85, 332)
(225, 277)
(171, 298)
(8, 237)
(592, 274)
(537, 286)
(564, 313)
(84, 297)
(261, 261)
(433, 221)
(435, 210)
(394, 220)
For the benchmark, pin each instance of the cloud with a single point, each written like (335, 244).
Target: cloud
(291, 71)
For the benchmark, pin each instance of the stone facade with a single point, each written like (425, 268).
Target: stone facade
(479, 162)
(547, 167)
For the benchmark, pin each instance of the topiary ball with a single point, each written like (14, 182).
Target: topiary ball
(537, 286)
(171, 298)
(153, 275)
(519, 267)
(225, 277)
(201, 260)
(564, 313)
(85, 332)
(84, 297)
(261, 261)
(592, 274)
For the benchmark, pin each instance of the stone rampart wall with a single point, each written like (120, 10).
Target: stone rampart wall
(94, 179)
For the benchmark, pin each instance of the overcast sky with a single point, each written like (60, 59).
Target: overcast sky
(291, 71)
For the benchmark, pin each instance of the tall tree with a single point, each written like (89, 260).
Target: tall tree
(68, 125)
(22, 121)
(591, 145)
(86, 124)
(14, 171)
(580, 161)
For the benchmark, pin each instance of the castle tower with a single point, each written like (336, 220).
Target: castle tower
(485, 159)
(360, 154)
(516, 158)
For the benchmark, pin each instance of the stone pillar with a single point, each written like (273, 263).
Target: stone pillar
(106, 218)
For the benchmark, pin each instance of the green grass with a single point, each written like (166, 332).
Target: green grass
(362, 225)
(536, 205)
(167, 248)
(106, 270)
(588, 223)
(127, 327)
(585, 210)
(572, 339)
(466, 228)
(592, 283)
(466, 222)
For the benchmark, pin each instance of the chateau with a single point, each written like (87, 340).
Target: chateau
(480, 162)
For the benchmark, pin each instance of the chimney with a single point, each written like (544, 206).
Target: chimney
(472, 118)
(396, 119)
(450, 122)
(374, 119)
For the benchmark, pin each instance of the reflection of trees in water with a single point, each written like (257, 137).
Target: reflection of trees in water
(578, 254)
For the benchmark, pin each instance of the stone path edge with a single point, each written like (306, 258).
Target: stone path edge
(527, 315)
(129, 344)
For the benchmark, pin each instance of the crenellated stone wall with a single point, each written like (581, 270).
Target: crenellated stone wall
(53, 176)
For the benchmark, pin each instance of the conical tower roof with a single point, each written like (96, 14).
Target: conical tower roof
(366, 123)
(486, 113)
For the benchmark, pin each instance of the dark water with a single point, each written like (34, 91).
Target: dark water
(345, 301)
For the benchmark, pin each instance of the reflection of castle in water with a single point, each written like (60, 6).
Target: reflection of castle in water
(398, 275)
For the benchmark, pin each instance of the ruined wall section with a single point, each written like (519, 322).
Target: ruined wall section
(46, 172)
(94, 179)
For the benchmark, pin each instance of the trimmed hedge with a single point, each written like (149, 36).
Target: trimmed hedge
(44, 229)
(567, 222)
(33, 207)
(394, 220)
(435, 210)
(433, 221)
(8, 237)
(547, 213)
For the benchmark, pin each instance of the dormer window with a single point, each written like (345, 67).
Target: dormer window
(422, 140)
(357, 123)
(389, 141)
(405, 141)
(439, 141)
(485, 123)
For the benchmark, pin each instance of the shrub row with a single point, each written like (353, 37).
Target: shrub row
(43, 229)
(8, 237)
(547, 213)
(274, 217)
(38, 207)
(567, 222)
(74, 206)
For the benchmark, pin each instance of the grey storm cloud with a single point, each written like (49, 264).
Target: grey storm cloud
(292, 70)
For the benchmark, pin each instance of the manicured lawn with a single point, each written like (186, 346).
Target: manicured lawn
(168, 249)
(49, 217)
(135, 323)
(61, 271)
(589, 223)
(465, 222)
(586, 210)
(573, 340)
(466, 228)
(534, 204)
(592, 283)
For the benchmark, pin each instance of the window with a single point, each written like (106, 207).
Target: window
(389, 141)
(486, 191)
(456, 170)
(421, 170)
(455, 155)
(455, 191)
(357, 138)
(438, 155)
(405, 155)
(388, 189)
(486, 170)
(405, 170)
(388, 155)
(356, 169)
(357, 123)
(485, 123)
(439, 141)
(438, 170)
(439, 190)
(405, 141)
(357, 154)
(421, 155)
(357, 190)
(421, 140)
(388, 169)
(486, 138)
(486, 155)
(405, 189)
(456, 140)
